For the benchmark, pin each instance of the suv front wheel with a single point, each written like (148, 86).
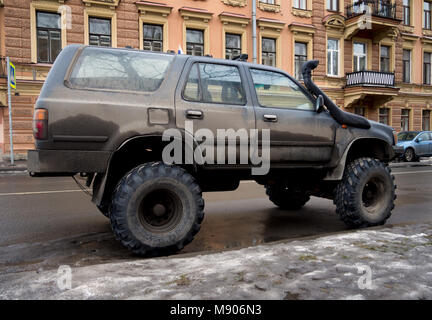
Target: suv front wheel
(157, 209)
(365, 196)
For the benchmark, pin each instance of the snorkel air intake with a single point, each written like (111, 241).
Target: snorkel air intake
(342, 117)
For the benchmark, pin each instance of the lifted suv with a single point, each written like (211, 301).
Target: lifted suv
(105, 113)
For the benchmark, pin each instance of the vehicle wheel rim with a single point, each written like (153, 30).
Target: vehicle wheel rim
(409, 155)
(373, 195)
(160, 211)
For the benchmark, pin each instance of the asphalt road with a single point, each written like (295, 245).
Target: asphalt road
(48, 221)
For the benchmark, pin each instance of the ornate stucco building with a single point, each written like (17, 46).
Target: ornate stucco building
(376, 55)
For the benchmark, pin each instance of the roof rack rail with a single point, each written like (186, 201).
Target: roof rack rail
(243, 57)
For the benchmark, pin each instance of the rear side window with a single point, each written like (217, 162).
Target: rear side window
(275, 90)
(214, 83)
(119, 70)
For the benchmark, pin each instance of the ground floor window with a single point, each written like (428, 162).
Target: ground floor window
(426, 120)
(100, 32)
(269, 52)
(232, 46)
(153, 37)
(405, 119)
(361, 111)
(300, 58)
(384, 116)
(195, 42)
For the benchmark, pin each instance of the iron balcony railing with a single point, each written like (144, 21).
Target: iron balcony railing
(370, 78)
(380, 8)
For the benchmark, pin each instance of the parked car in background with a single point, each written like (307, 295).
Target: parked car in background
(416, 144)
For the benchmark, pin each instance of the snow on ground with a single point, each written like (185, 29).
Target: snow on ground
(387, 263)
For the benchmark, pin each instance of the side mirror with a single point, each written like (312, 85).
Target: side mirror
(418, 140)
(319, 103)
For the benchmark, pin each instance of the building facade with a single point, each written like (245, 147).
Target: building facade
(376, 55)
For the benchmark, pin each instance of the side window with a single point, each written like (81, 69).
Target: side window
(275, 90)
(214, 83)
(424, 137)
(119, 70)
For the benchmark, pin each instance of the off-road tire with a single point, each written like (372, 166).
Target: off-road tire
(149, 230)
(285, 198)
(365, 196)
(409, 155)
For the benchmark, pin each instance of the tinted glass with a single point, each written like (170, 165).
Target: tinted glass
(221, 84)
(407, 136)
(120, 70)
(192, 89)
(276, 90)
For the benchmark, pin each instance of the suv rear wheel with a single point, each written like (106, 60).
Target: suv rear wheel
(156, 209)
(365, 196)
(286, 198)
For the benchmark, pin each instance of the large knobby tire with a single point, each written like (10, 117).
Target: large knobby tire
(286, 198)
(156, 209)
(365, 196)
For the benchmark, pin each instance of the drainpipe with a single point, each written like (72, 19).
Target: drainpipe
(254, 32)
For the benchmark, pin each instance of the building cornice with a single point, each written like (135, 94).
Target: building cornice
(153, 7)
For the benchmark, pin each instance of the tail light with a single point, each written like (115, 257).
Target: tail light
(40, 124)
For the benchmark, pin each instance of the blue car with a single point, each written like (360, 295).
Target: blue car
(416, 144)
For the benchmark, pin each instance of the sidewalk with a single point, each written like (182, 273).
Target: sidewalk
(393, 262)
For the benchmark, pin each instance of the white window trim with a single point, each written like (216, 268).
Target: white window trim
(330, 51)
(362, 55)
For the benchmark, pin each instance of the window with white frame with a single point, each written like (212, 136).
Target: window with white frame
(333, 57)
(360, 56)
(407, 12)
(300, 4)
(405, 119)
(427, 7)
(333, 5)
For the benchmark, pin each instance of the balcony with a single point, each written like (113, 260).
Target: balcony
(369, 88)
(370, 78)
(374, 19)
(378, 8)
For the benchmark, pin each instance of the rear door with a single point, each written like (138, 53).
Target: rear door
(299, 134)
(423, 146)
(212, 95)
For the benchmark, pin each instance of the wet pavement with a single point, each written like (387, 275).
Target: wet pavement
(46, 222)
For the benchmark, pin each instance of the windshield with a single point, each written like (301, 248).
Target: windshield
(407, 136)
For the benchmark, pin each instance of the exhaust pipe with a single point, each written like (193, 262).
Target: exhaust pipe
(342, 117)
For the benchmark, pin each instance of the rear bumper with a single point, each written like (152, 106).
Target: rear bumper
(66, 161)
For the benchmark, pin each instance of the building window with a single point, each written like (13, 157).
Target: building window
(361, 111)
(407, 12)
(300, 4)
(426, 120)
(427, 15)
(360, 56)
(427, 68)
(268, 1)
(195, 42)
(48, 36)
(406, 66)
(269, 52)
(333, 57)
(384, 116)
(153, 37)
(100, 32)
(333, 5)
(385, 58)
(405, 119)
(300, 58)
(232, 45)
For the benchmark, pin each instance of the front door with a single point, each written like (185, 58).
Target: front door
(298, 133)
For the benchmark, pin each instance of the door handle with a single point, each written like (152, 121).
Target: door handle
(270, 118)
(194, 114)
